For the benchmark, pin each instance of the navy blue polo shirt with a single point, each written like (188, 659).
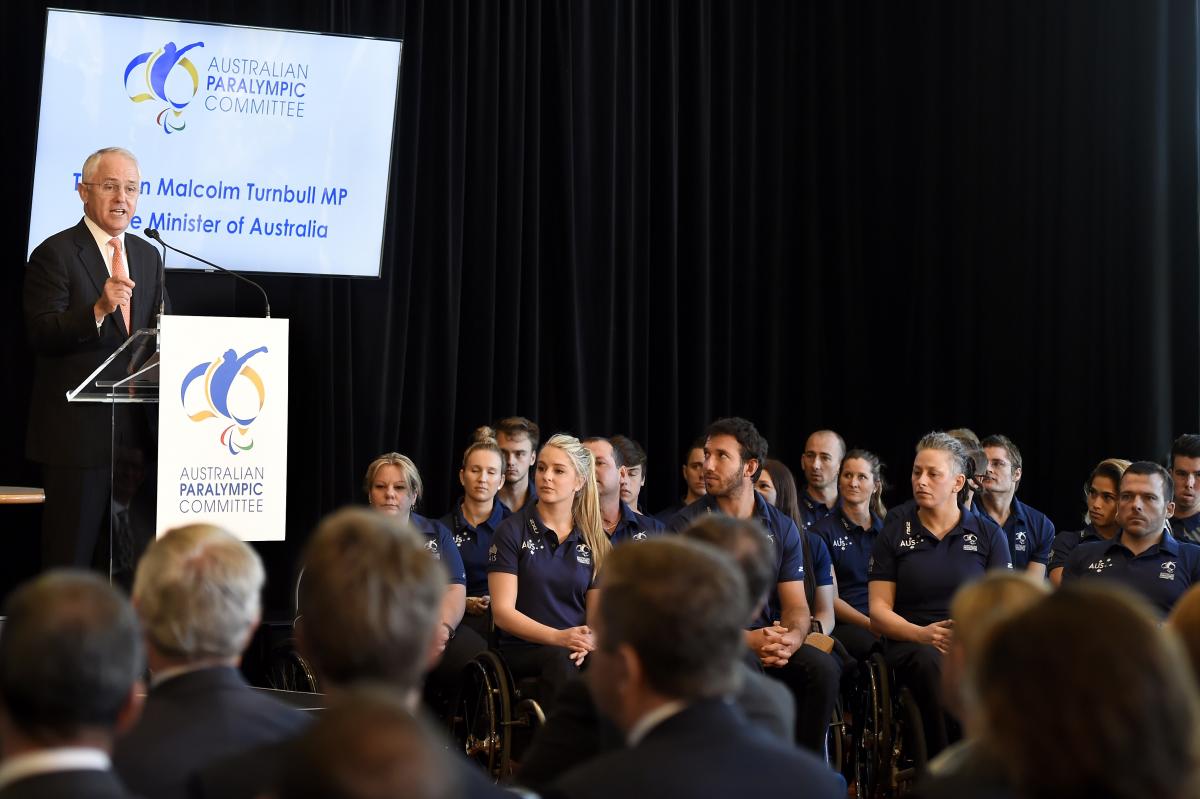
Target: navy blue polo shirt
(440, 544)
(812, 510)
(474, 543)
(1030, 534)
(927, 571)
(850, 549)
(1065, 543)
(666, 514)
(529, 500)
(552, 578)
(789, 553)
(1160, 574)
(1187, 529)
(633, 526)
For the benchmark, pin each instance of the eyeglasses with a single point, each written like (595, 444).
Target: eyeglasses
(108, 187)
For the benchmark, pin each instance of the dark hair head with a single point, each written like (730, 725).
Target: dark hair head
(631, 452)
(752, 444)
(1128, 729)
(618, 461)
(1005, 443)
(1187, 445)
(689, 588)
(697, 443)
(520, 426)
(369, 599)
(747, 543)
(70, 652)
(1147, 468)
(787, 497)
(368, 745)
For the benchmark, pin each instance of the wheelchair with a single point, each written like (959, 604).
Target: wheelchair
(888, 738)
(286, 668)
(494, 716)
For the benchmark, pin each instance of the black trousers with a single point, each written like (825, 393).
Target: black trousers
(551, 665)
(813, 677)
(918, 667)
(75, 514)
(858, 641)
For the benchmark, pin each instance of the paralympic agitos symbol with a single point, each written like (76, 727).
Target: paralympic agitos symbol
(158, 67)
(222, 377)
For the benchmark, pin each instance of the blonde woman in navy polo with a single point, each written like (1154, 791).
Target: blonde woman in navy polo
(543, 566)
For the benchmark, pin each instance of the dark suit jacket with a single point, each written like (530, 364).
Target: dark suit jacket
(193, 719)
(67, 785)
(707, 750)
(65, 277)
(575, 733)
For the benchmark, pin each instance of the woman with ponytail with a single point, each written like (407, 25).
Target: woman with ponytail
(543, 566)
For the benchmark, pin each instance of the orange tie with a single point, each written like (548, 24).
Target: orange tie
(119, 270)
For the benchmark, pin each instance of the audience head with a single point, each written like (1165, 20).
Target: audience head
(1146, 499)
(482, 469)
(1003, 471)
(747, 543)
(369, 600)
(672, 584)
(1185, 621)
(633, 458)
(518, 439)
(1119, 718)
(198, 593)
(70, 658)
(693, 468)
(608, 466)
(368, 745)
(977, 459)
(860, 479)
(1184, 463)
(1102, 490)
(734, 454)
(823, 453)
(566, 472)
(778, 487)
(393, 484)
(939, 470)
(976, 609)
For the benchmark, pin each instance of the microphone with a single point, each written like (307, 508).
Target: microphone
(162, 282)
(153, 233)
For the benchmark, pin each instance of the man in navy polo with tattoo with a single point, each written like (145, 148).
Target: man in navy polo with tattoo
(822, 460)
(1030, 534)
(1184, 463)
(621, 522)
(1144, 556)
(733, 456)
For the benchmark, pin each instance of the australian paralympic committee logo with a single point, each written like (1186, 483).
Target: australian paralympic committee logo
(163, 82)
(232, 391)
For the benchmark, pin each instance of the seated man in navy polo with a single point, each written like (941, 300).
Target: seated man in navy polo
(1144, 556)
(621, 522)
(822, 460)
(1184, 463)
(1030, 534)
(733, 456)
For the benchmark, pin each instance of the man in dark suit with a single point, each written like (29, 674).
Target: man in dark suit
(369, 606)
(70, 656)
(86, 288)
(575, 732)
(197, 594)
(669, 638)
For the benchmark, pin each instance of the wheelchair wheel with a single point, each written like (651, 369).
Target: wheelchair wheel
(479, 721)
(909, 752)
(288, 671)
(873, 741)
(835, 739)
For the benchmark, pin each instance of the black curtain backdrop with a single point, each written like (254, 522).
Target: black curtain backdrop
(637, 216)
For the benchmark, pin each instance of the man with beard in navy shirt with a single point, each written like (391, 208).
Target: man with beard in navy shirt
(733, 455)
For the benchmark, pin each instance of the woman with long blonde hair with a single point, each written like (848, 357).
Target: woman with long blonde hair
(543, 566)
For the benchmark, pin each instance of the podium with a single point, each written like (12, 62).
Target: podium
(214, 439)
(127, 381)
